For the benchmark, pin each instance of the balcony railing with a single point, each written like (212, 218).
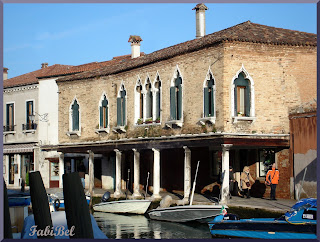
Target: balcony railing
(8, 128)
(30, 126)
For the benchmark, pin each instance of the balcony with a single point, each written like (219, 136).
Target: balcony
(29, 128)
(9, 129)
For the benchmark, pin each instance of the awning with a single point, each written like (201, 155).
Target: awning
(18, 148)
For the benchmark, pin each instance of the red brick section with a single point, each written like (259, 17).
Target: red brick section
(244, 32)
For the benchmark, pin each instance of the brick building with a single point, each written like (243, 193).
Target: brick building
(222, 98)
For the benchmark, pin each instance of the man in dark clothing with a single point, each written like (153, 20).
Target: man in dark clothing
(231, 181)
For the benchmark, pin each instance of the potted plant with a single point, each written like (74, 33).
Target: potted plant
(240, 114)
(158, 120)
(139, 121)
(148, 121)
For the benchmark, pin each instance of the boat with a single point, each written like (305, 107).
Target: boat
(298, 223)
(186, 213)
(59, 229)
(17, 198)
(56, 201)
(189, 212)
(133, 206)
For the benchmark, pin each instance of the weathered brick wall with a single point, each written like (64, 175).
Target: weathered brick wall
(284, 76)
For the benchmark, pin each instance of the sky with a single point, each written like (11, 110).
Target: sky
(75, 34)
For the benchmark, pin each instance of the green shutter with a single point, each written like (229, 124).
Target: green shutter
(206, 101)
(8, 107)
(119, 111)
(247, 101)
(123, 121)
(106, 117)
(179, 103)
(75, 116)
(212, 102)
(235, 100)
(173, 112)
(27, 110)
(158, 104)
(101, 117)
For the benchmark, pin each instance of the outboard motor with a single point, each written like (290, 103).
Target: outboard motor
(105, 197)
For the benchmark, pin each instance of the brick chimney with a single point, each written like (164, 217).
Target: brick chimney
(200, 20)
(5, 73)
(44, 65)
(135, 45)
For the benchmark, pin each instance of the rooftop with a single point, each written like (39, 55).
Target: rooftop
(244, 32)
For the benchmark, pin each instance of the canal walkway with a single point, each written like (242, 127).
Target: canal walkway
(279, 205)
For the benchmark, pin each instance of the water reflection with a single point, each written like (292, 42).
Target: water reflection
(117, 226)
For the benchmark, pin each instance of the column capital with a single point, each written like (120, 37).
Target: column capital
(226, 146)
(155, 150)
(117, 151)
(135, 150)
(186, 149)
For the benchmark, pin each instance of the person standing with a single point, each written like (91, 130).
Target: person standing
(245, 179)
(272, 179)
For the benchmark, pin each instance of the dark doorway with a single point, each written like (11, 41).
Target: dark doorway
(97, 173)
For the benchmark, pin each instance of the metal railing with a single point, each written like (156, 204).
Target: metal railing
(30, 126)
(8, 128)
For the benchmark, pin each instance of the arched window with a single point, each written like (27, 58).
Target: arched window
(176, 98)
(209, 96)
(139, 103)
(242, 96)
(121, 107)
(104, 113)
(75, 116)
(157, 86)
(149, 100)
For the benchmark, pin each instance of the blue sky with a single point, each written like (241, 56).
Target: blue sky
(75, 34)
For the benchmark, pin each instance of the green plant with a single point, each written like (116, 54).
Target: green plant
(139, 121)
(148, 120)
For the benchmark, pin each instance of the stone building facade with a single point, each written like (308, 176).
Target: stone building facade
(256, 73)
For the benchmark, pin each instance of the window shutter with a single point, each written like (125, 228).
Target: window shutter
(206, 102)
(8, 118)
(106, 117)
(27, 112)
(179, 102)
(173, 107)
(119, 111)
(75, 117)
(247, 101)
(158, 104)
(212, 102)
(235, 100)
(123, 121)
(101, 117)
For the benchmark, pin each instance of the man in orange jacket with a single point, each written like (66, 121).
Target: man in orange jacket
(272, 179)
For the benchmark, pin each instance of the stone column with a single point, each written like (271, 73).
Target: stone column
(61, 169)
(91, 172)
(117, 191)
(225, 172)
(187, 173)
(156, 174)
(136, 173)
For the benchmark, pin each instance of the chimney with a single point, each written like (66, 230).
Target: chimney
(200, 20)
(5, 73)
(44, 65)
(135, 45)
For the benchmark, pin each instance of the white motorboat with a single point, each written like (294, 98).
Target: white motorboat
(123, 206)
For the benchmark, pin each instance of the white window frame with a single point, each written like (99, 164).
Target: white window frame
(101, 129)
(212, 119)
(71, 132)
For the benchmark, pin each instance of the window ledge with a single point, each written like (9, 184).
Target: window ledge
(119, 129)
(207, 119)
(243, 118)
(147, 124)
(101, 130)
(29, 131)
(9, 132)
(70, 133)
(178, 123)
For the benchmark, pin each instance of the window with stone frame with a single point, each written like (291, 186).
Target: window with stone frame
(176, 98)
(266, 159)
(139, 103)
(242, 94)
(121, 107)
(209, 97)
(29, 111)
(9, 117)
(103, 113)
(149, 101)
(157, 99)
(75, 116)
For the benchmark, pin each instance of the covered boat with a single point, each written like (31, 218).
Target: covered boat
(299, 223)
(186, 213)
(17, 198)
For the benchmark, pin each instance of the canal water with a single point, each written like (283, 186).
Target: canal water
(117, 226)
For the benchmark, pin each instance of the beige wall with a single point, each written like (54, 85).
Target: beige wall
(283, 77)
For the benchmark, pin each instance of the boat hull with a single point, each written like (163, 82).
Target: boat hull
(185, 213)
(123, 206)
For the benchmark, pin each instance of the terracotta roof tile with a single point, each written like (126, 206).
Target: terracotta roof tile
(31, 77)
(244, 32)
